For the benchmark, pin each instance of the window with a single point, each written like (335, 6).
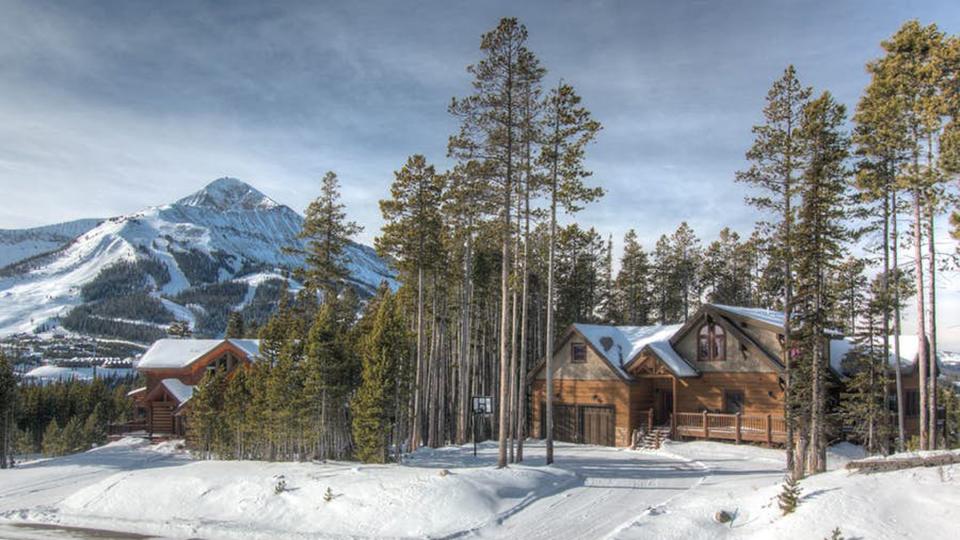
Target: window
(578, 353)
(712, 343)
(733, 401)
(911, 403)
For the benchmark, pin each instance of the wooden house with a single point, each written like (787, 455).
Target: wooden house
(718, 376)
(173, 367)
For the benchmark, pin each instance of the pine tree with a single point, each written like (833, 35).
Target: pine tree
(821, 233)
(491, 122)
(235, 325)
(789, 496)
(383, 351)
(633, 283)
(915, 80)
(53, 442)
(685, 258)
(776, 162)
(413, 235)
(327, 233)
(8, 399)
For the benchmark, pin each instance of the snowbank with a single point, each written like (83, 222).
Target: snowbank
(745, 481)
(223, 499)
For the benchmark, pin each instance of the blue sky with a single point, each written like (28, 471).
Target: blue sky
(106, 107)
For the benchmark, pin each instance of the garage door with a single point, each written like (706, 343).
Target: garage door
(597, 425)
(587, 424)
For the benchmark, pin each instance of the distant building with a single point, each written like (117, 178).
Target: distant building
(173, 368)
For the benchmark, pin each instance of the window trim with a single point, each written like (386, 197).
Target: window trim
(574, 346)
(743, 399)
(715, 353)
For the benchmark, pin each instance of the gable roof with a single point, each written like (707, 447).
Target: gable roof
(619, 345)
(180, 353)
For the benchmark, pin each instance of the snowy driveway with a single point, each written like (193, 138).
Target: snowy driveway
(613, 487)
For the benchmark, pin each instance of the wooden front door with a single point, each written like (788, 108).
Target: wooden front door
(664, 407)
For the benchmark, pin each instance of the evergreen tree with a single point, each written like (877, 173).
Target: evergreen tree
(8, 399)
(327, 233)
(789, 496)
(569, 129)
(776, 163)
(235, 325)
(413, 235)
(491, 123)
(330, 374)
(821, 233)
(633, 283)
(53, 442)
(375, 406)
(667, 303)
(685, 257)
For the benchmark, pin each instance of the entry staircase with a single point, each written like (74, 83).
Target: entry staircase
(651, 439)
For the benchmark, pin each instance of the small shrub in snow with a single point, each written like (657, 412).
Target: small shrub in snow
(789, 496)
(328, 495)
(722, 516)
(280, 486)
(835, 535)
(444, 472)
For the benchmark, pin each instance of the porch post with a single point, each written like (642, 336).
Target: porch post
(769, 432)
(650, 419)
(706, 426)
(673, 413)
(739, 424)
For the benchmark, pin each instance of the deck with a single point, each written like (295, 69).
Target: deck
(734, 427)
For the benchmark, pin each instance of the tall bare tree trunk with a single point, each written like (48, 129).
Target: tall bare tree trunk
(524, 321)
(932, 315)
(901, 427)
(417, 409)
(921, 316)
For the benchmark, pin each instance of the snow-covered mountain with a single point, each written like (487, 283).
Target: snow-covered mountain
(212, 250)
(19, 244)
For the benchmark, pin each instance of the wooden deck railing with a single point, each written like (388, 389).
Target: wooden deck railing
(738, 427)
(126, 427)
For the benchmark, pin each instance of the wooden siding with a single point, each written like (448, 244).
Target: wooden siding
(761, 392)
(595, 368)
(737, 359)
(589, 393)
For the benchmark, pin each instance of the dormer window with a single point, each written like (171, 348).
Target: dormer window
(578, 353)
(712, 343)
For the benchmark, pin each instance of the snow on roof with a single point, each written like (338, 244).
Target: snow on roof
(180, 391)
(178, 353)
(909, 346)
(768, 316)
(249, 346)
(620, 344)
(839, 348)
(136, 391)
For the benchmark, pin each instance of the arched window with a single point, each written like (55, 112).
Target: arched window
(712, 343)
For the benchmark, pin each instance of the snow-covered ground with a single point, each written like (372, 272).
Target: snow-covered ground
(591, 492)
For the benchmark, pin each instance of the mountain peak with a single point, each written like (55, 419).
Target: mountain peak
(228, 194)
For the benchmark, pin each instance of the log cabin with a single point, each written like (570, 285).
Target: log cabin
(173, 367)
(717, 376)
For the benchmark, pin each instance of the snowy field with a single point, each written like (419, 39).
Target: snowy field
(591, 492)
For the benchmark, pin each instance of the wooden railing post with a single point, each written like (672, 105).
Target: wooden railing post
(673, 426)
(706, 426)
(650, 419)
(739, 424)
(769, 431)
